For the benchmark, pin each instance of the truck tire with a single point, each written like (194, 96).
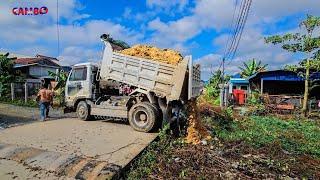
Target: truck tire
(83, 111)
(143, 117)
(158, 123)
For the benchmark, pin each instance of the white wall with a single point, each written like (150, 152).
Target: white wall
(39, 71)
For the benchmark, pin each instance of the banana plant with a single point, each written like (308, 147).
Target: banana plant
(61, 78)
(251, 67)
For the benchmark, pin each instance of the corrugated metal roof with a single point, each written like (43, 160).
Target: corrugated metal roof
(238, 81)
(280, 75)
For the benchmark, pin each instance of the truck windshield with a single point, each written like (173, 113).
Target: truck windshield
(78, 74)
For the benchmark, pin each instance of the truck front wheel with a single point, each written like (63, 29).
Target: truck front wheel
(83, 112)
(143, 117)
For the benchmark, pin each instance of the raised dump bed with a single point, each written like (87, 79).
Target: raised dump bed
(174, 82)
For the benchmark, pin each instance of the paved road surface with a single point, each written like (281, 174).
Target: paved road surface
(68, 148)
(11, 115)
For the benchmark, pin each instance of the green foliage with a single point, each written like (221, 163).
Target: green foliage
(212, 89)
(19, 102)
(254, 98)
(251, 67)
(61, 84)
(6, 73)
(145, 164)
(298, 42)
(307, 43)
(301, 137)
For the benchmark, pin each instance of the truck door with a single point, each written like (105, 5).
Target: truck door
(78, 84)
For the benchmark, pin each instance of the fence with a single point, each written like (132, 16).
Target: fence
(26, 91)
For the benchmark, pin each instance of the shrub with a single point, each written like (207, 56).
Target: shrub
(294, 136)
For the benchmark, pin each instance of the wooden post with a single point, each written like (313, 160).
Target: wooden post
(261, 86)
(25, 92)
(12, 91)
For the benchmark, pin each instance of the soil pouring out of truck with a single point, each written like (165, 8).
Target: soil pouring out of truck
(146, 92)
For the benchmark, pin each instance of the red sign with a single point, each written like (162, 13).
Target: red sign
(24, 11)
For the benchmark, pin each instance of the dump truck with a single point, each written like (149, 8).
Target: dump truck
(144, 92)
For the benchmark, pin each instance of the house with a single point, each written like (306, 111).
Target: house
(236, 90)
(281, 86)
(277, 82)
(37, 68)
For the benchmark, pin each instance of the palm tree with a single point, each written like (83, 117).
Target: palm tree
(251, 67)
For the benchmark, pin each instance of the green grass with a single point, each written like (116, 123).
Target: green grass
(19, 102)
(301, 137)
(144, 165)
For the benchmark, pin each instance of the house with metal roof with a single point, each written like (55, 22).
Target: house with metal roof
(279, 82)
(37, 68)
(283, 87)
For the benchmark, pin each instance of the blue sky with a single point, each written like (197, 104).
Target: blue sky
(197, 27)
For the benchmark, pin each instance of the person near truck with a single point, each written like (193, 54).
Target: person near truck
(45, 98)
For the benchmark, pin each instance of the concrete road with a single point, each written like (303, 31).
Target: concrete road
(11, 115)
(86, 145)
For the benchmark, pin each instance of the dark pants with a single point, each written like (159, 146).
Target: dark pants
(44, 110)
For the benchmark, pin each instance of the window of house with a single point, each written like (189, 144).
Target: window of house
(78, 74)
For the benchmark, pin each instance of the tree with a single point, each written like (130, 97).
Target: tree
(6, 73)
(307, 43)
(251, 67)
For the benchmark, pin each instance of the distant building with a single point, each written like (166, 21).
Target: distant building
(283, 87)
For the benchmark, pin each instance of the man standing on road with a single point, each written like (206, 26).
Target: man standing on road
(44, 96)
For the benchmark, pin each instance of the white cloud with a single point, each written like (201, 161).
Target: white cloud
(75, 54)
(209, 64)
(37, 34)
(80, 42)
(167, 5)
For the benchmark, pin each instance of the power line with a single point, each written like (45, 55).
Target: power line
(244, 20)
(230, 27)
(237, 33)
(236, 27)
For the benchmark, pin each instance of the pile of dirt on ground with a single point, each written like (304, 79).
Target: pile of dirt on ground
(196, 130)
(153, 53)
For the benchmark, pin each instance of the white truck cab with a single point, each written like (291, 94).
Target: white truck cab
(80, 83)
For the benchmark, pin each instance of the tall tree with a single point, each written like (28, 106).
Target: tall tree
(251, 67)
(307, 43)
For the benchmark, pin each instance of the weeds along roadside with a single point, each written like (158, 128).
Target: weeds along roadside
(145, 163)
(19, 102)
(248, 147)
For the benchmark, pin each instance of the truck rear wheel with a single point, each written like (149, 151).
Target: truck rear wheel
(83, 112)
(143, 117)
